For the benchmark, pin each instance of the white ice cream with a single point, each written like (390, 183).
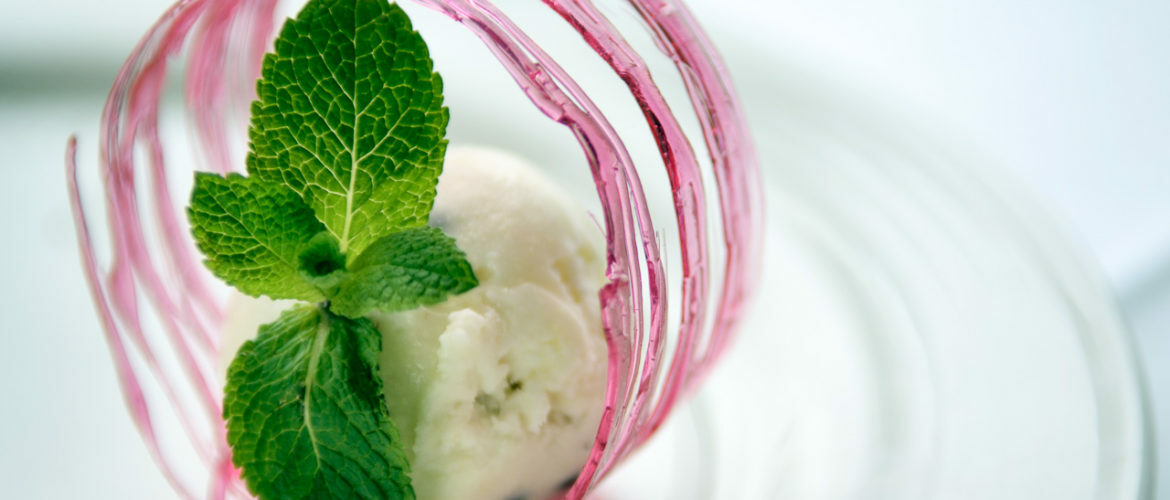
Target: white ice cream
(497, 392)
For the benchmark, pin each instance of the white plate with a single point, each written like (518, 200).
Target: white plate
(924, 331)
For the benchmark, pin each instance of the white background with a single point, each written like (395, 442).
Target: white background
(1072, 96)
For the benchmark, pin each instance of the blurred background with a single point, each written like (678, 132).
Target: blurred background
(1071, 98)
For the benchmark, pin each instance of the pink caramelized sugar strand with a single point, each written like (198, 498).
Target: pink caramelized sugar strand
(640, 393)
(689, 199)
(181, 299)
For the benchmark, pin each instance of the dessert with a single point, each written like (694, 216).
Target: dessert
(651, 365)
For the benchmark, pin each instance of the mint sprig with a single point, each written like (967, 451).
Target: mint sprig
(347, 144)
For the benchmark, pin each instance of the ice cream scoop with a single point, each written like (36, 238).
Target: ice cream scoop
(497, 392)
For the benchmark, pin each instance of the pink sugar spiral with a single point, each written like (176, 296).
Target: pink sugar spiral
(647, 375)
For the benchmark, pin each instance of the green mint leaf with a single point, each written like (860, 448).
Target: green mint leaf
(251, 233)
(350, 116)
(305, 413)
(322, 263)
(407, 269)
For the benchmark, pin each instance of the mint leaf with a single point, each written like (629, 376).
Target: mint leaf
(404, 270)
(350, 116)
(305, 413)
(251, 233)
